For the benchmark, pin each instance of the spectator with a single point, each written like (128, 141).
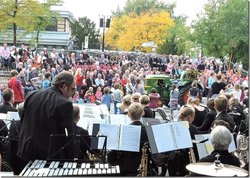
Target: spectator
(107, 97)
(144, 100)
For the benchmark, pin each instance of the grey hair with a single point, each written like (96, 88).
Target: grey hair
(220, 137)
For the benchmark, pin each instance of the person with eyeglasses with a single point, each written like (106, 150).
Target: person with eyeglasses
(46, 112)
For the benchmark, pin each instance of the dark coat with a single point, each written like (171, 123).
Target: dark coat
(5, 107)
(148, 112)
(130, 161)
(225, 158)
(226, 117)
(209, 118)
(82, 141)
(46, 112)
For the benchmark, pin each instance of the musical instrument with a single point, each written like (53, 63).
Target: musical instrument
(59, 168)
(242, 142)
(191, 156)
(211, 169)
(143, 168)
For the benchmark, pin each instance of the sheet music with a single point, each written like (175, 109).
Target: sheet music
(169, 136)
(204, 149)
(104, 109)
(12, 116)
(164, 137)
(3, 116)
(112, 133)
(181, 131)
(130, 137)
(119, 119)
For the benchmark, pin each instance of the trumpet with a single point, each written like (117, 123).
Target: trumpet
(143, 167)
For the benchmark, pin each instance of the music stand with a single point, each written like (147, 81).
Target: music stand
(70, 140)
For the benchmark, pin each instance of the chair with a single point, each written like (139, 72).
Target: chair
(163, 114)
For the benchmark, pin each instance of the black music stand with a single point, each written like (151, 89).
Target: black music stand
(75, 139)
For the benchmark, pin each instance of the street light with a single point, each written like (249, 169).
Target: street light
(104, 23)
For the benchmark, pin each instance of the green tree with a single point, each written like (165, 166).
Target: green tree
(178, 36)
(85, 27)
(22, 14)
(223, 29)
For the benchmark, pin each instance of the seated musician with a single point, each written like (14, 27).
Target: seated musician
(130, 161)
(180, 158)
(82, 143)
(144, 100)
(221, 139)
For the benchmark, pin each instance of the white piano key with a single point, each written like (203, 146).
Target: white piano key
(80, 171)
(118, 169)
(85, 172)
(113, 170)
(66, 171)
(34, 164)
(99, 171)
(97, 165)
(70, 172)
(83, 165)
(70, 165)
(56, 172)
(101, 166)
(75, 172)
(65, 165)
(94, 171)
(89, 171)
(109, 171)
(104, 171)
(88, 165)
(74, 165)
(56, 164)
(52, 164)
(106, 166)
(51, 172)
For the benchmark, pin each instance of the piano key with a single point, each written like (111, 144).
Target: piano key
(109, 171)
(106, 166)
(34, 164)
(94, 171)
(80, 172)
(97, 165)
(56, 164)
(99, 171)
(74, 165)
(88, 165)
(75, 172)
(43, 164)
(60, 173)
(70, 165)
(85, 172)
(89, 171)
(52, 164)
(56, 172)
(38, 164)
(101, 166)
(65, 165)
(104, 171)
(27, 172)
(118, 169)
(51, 172)
(66, 172)
(83, 165)
(113, 170)
(70, 173)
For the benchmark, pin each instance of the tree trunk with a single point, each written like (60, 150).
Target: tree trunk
(14, 33)
(37, 38)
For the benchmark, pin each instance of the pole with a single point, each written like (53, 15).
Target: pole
(103, 35)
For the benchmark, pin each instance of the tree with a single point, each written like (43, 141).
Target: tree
(130, 31)
(177, 40)
(85, 27)
(223, 29)
(22, 14)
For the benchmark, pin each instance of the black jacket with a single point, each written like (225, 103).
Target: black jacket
(46, 112)
(209, 118)
(226, 117)
(5, 107)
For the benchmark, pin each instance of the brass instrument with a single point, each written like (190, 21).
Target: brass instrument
(242, 143)
(191, 156)
(143, 168)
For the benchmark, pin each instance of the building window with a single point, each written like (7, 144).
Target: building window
(52, 26)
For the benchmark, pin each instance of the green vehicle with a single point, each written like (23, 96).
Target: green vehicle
(163, 85)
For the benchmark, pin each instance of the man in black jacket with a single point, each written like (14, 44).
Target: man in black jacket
(8, 100)
(48, 112)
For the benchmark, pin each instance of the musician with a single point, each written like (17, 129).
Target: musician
(144, 100)
(8, 100)
(82, 143)
(221, 138)
(221, 106)
(48, 112)
(130, 161)
(180, 158)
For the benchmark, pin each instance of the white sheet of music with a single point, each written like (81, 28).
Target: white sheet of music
(164, 137)
(112, 132)
(119, 119)
(171, 136)
(204, 149)
(182, 135)
(12, 116)
(130, 138)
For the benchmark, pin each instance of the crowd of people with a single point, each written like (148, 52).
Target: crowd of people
(50, 81)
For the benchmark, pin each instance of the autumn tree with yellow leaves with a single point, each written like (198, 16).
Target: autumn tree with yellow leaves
(129, 30)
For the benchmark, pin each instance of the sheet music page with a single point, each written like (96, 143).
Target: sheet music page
(104, 109)
(118, 119)
(112, 132)
(164, 137)
(12, 116)
(201, 147)
(92, 121)
(206, 148)
(130, 138)
(3, 116)
(182, 135)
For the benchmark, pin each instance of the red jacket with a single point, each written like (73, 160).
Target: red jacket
(16, 86)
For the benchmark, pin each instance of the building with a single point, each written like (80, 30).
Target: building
(56, 35)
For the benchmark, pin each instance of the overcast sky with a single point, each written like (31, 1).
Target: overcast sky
(94, 8)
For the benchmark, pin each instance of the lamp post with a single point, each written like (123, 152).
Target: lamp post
(104, 23)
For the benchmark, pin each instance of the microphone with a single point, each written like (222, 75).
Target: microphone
(201, 141)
